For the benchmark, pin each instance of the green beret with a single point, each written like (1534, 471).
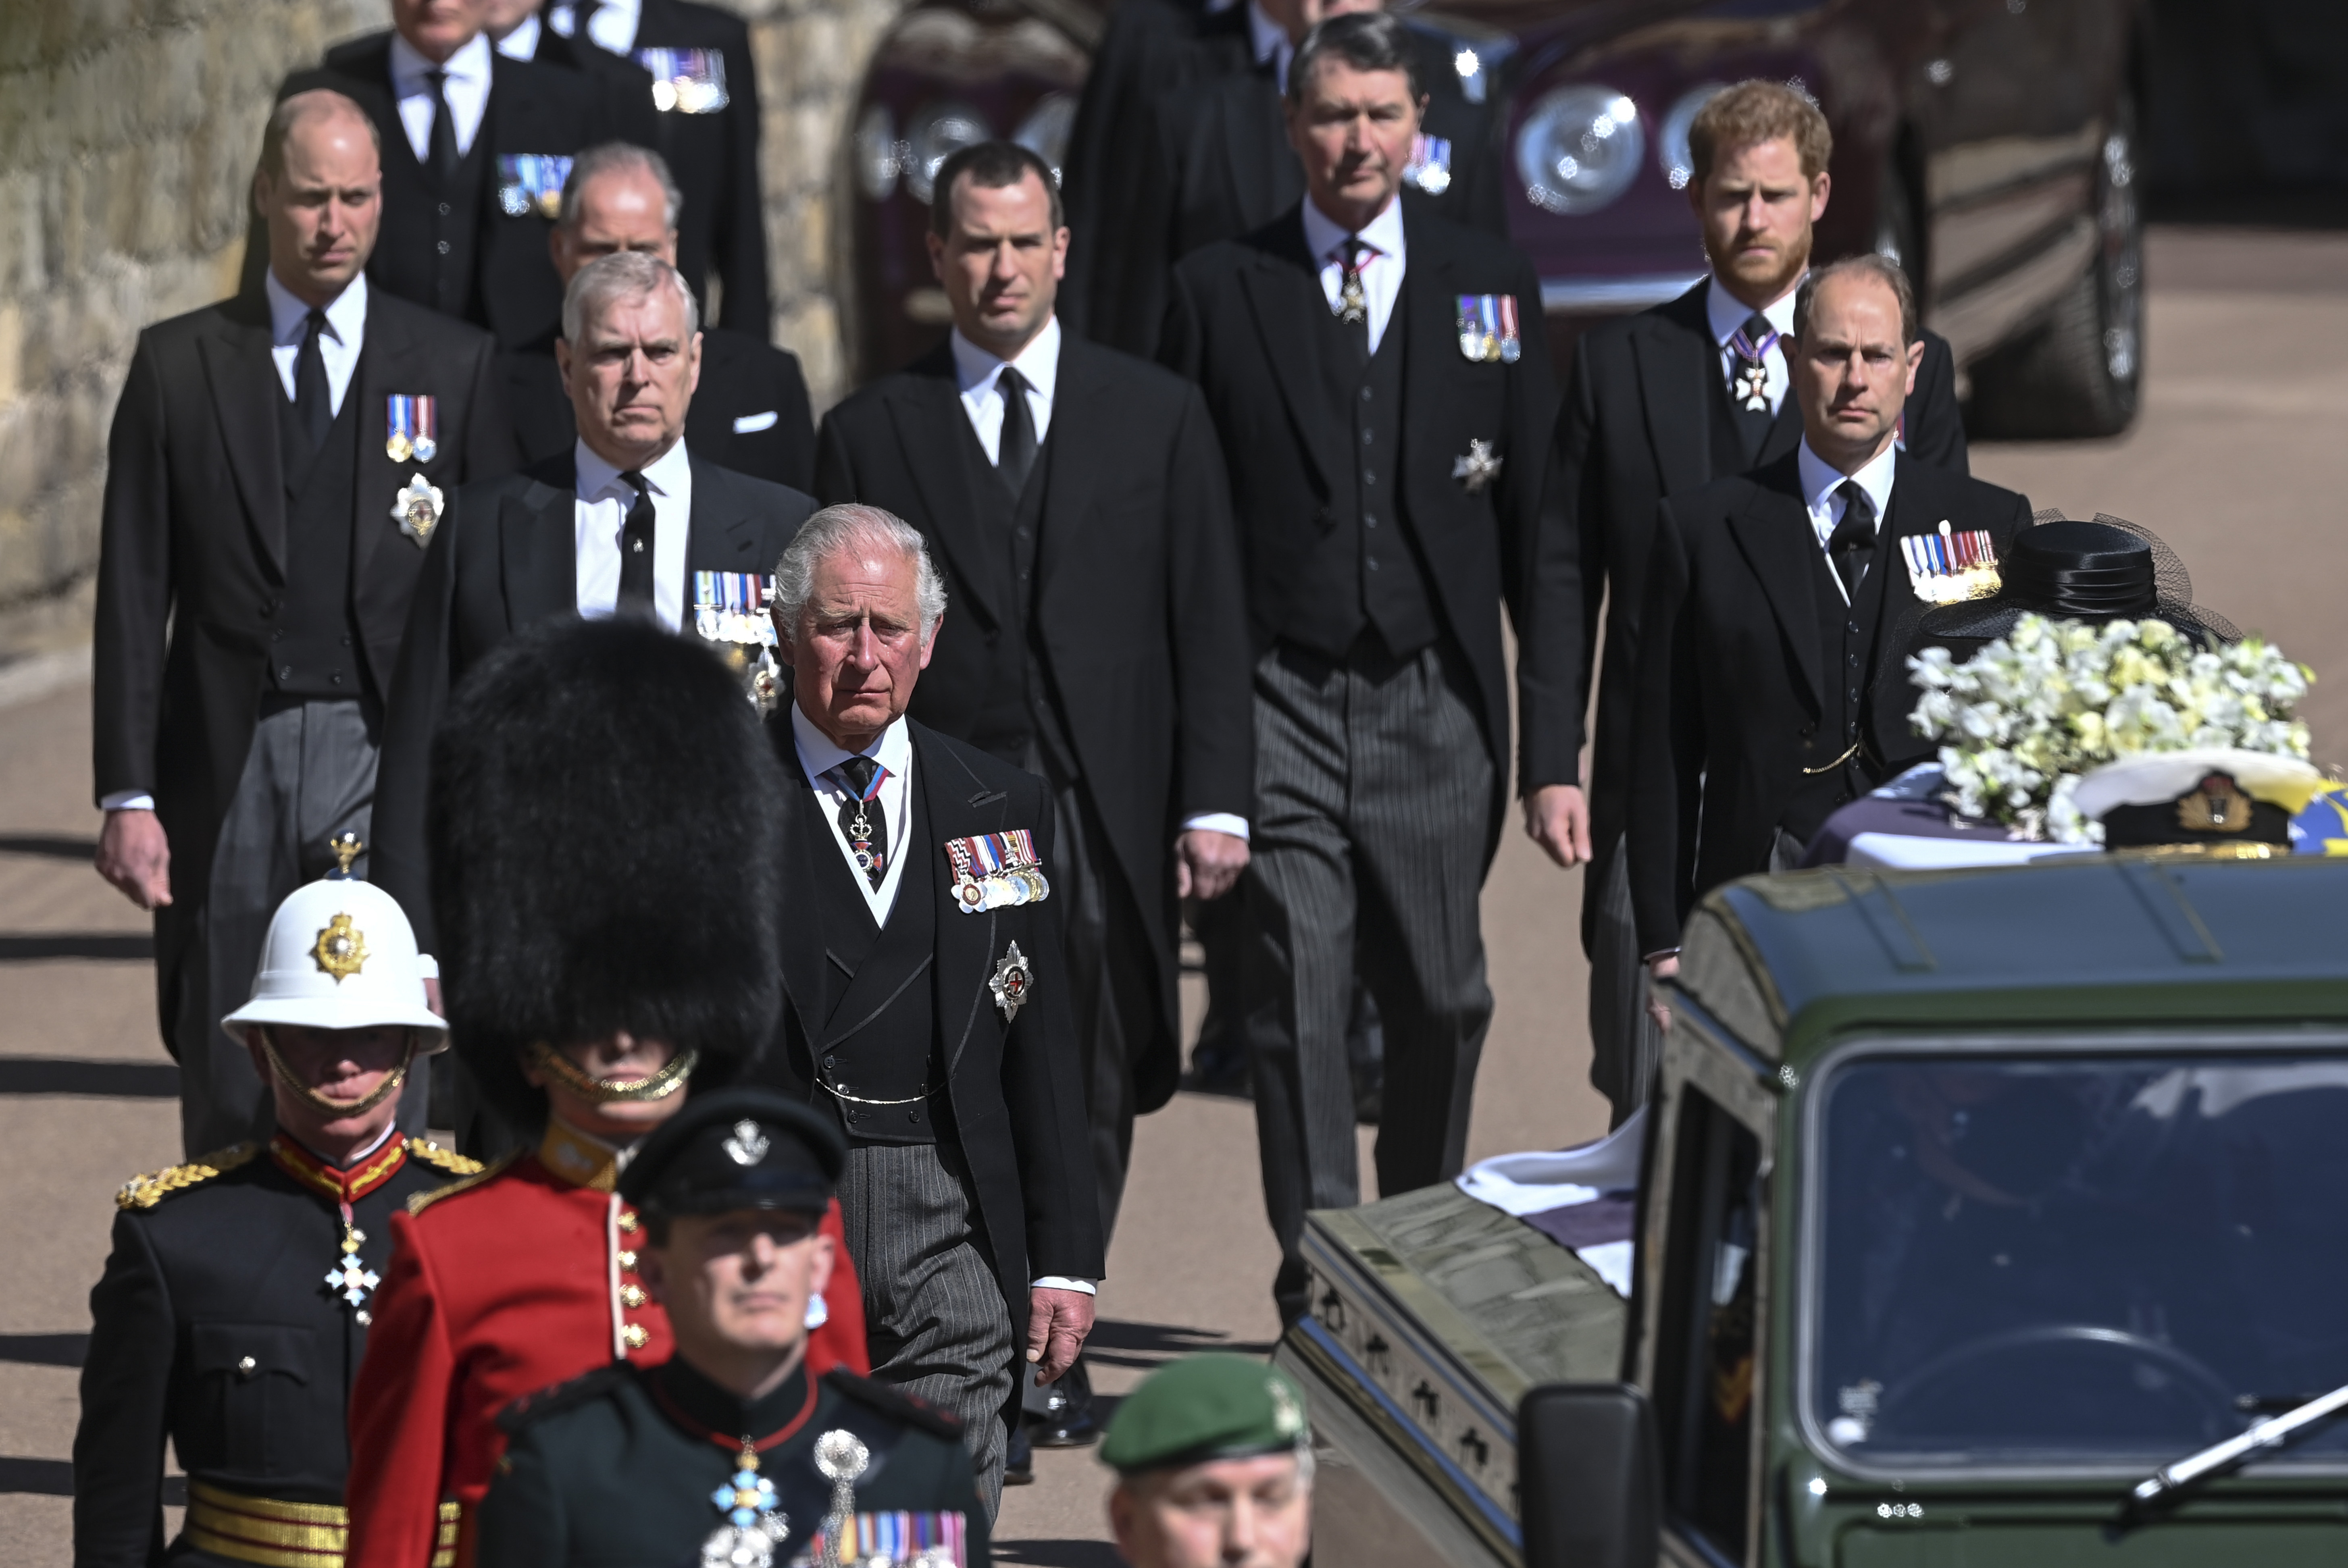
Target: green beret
(1206, 1408)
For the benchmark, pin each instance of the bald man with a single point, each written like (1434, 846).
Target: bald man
(277, 466)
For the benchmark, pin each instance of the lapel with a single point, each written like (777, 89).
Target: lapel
(1915, 510)
(507, 111)
(803, 956)
(960, 804)
(1080, 418)
(1773, 530)
(1675, 356)
(245, 395)
(885, 972)
(925, 408)
(1786, 433)
(538, 546)
(1432, 321)
(722, 534)
(1279, 280)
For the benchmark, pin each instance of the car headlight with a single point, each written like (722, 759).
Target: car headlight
(1044, 132)
(1579, 148)
(943, 132)
(879, 156)
(1671, 153)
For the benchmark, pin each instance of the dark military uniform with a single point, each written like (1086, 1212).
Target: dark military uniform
(215, 1328)
(621, 1468)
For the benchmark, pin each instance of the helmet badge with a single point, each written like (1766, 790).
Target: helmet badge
(341, 950)
(749, 1145)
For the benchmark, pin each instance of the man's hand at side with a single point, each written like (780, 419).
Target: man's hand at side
(1660, 968)
(1556, 817)
(1206, 862)
(134, 855)
(1057, 1323)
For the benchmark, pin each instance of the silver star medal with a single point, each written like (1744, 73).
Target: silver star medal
(1013, 978)
(842, 1457)
(1480, 467)
(417, 509)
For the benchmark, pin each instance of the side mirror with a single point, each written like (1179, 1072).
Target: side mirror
(1588, 1481)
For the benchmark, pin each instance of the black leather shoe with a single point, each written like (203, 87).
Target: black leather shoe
(1066, 1419)
(1019, 1459)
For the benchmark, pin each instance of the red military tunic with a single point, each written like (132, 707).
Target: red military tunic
(502, 1284)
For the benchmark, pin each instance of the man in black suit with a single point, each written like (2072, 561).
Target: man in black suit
(927, 1005)
(750, 411)
(475, 149)
(704, 96)
(1660, 404)
(1383, 397)
(276, 470)
(1768, 688)
(623, 523)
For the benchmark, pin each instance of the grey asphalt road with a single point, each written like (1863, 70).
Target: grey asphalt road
(2237, 462)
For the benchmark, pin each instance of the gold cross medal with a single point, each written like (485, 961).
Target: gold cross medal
(418, 507)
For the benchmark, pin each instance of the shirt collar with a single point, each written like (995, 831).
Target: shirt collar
(470, 63)
(1382, 233)
(1726, 312)
(288, 317)
(818, 754)
(1820, 479)
(975, 368)
(521, 44)
(665, 474)
(1265, 36)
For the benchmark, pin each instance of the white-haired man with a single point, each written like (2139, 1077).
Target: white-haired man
(928, 1001)
(622, 524)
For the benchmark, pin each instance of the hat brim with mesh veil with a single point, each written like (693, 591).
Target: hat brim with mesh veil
(1981, 620)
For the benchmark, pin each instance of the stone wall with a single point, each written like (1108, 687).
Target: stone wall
(128, 133)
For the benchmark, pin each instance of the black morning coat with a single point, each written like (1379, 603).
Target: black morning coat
(1219, 166)
(213, 1328)
(533, 108)
(1728, 695)
(1637, 427)
(506, 557)
(1016, 1084)
(192, 553)
(1137, 609)
(750, 412)
(1238, 327)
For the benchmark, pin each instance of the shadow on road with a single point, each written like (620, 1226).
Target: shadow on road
(50, 845)
(53, 1478)
(113, 946)
(43, 1349)
(111, 1079)
(1148, 1346)
(1051, 1554)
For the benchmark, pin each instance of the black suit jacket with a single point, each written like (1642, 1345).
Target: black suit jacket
(191, 559)
(1138, 599)
(750, 412)
(1240, 326)
(506, 557)
(1635, 428)
(533, 108)
(1728, 694)
(1017, 1085)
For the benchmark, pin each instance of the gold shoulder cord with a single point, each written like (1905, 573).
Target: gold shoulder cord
(418, 1202)
(448, 1159)
(145, 1192)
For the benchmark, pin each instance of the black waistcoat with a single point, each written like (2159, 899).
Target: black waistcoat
(878, 1040)
(1848, 636)
(314, 650)
(431, 237)
(1364, 570)
(1007, 721)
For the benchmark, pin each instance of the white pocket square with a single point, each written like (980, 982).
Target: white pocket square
(750, 423)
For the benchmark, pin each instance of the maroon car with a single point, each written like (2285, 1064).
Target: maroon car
(1989, 146)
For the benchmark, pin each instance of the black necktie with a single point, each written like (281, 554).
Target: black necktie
(1015, 453)
(1352, 300)
(1852, 545)
(636, 551)
(1748, 383)
(443, 152)
(861, 820)
(311, 413)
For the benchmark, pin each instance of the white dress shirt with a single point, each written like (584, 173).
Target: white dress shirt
(1726, 313)
(1820, 483)
(521, 44)
(893, 750)
(338, 345)
(601, 510)
(1381, 269)
(612, 27)
(468, 91)
(1269, 41)
(978, 373)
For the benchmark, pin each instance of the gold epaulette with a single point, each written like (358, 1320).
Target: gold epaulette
(448, 1159)
(419, 1201)
(145, 1192)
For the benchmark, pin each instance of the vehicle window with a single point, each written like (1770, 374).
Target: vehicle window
(1705, 1348)
(2097, 1260)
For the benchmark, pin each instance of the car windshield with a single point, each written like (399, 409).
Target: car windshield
(2096, 1261)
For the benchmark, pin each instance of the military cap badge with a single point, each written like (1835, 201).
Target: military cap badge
(341, 950)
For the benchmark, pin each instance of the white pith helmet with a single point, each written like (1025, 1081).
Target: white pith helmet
(341, 955)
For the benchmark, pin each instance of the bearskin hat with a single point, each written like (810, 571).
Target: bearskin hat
(605, 838)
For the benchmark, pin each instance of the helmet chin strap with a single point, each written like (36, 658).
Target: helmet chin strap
(659, 1085)
(337, 1109)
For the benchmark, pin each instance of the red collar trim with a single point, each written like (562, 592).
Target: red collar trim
(733, 1442)
(342, 1186)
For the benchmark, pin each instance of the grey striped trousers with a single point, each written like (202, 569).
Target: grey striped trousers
(1374, 801)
